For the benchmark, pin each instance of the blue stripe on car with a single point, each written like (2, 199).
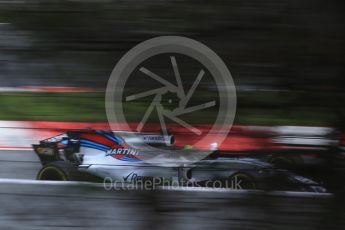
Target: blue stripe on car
(93, 143)
(93, 147)
(113, 138)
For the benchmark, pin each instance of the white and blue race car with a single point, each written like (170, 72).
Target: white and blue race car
(98, 155)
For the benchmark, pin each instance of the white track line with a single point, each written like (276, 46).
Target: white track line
(16, 149)
(300, 194)
(172, 188)
(38, 182)
(247, 192)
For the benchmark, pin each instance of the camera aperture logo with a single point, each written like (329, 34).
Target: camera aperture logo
(172, 92)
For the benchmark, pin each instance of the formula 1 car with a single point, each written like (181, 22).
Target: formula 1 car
(98, 155)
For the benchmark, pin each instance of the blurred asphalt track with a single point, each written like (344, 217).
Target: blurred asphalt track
(18, 164)
(44, 206)
(28, 204)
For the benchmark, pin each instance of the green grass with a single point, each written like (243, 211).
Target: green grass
(52, 106)
(255, 108)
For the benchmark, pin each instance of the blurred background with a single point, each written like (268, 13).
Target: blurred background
(287, 58)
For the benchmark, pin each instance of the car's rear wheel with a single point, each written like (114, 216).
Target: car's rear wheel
(59, 171)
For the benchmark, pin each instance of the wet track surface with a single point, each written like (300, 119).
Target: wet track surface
(19, 164)
(28, 204)
(46, 206)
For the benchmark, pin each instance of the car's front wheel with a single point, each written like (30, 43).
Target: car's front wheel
(240, 181)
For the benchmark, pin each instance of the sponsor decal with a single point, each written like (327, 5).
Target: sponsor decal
(124, 154)
(154, 138)
(134, 177)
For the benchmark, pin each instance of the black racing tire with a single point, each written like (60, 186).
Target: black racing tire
(59, 171)
(242, 181)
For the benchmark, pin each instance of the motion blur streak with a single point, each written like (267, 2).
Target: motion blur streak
(80, 207)
(287, 58)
